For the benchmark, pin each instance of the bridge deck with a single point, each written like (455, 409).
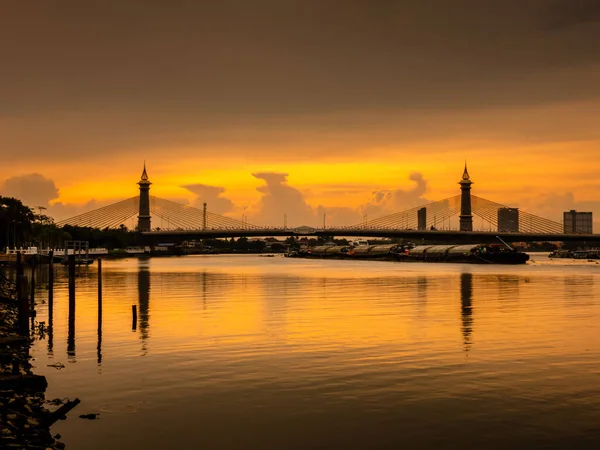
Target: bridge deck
(414, 235)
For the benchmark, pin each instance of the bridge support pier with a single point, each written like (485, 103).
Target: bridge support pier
(144, 214)
(466, 217)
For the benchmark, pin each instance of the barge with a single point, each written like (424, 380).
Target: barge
(471, 253)
(593, 253)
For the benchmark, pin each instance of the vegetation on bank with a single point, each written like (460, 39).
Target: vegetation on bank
(22, 226)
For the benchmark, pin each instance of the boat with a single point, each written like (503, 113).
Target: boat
(560, 254)
(470, 253)
(589, 254)
(586, 254)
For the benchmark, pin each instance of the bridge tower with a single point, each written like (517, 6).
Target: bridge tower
(466, 218)
(144, 213)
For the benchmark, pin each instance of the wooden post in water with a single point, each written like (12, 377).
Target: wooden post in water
(32, 297)
(32, 287)
(50, 277)
(71, 265)
(23, 305)
(134, 317)
(99, 345)
(20, 270)
(71, 335)
(22, 297)
(99, 284)
(50, 299)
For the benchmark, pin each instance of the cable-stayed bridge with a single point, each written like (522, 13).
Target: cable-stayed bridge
(441, 211)
(183, 222)
(168, 214)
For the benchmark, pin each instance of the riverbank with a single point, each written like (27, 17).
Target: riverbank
(24, 419)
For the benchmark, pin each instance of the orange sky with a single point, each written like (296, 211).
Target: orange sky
(522, 171)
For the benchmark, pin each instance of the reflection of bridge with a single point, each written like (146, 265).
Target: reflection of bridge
(186, 222)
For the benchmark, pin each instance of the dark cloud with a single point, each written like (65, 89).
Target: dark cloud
(32, 189)
(35, 190)
(272, 56)
(569, 13)
(91, 80)
(212, 195)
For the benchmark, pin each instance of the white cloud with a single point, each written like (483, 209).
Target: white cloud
(212, 195)
(389, 201)
(279, 199)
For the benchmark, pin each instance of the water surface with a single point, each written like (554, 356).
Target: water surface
(232, 352)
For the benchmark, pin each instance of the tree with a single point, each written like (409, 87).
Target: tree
(16, 222)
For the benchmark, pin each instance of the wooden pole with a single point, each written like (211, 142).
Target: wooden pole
(50, 299)
(32, 288)
(134, 317)
(23, 305)
(32, 298)
(71, 265)
(99, 345)
(19, 287)
(19, 264)
(99, 284)
(71, 335)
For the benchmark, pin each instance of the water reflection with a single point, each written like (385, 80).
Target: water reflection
(71, 332)
(204, 289)
(466, 309)
(143, 283)
(579, 290)
(50, 309)
(99, 331)
(422, 287)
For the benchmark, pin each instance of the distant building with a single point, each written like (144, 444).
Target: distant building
(422, 219)
(575, 222)
(508, 220)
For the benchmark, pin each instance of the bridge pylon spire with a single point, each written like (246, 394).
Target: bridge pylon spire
(466, 216)
(144, 210)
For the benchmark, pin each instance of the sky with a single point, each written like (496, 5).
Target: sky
(270, 107)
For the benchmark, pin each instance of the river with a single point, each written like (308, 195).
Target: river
(248, 352)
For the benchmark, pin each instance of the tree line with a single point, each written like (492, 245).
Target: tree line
(21, 227)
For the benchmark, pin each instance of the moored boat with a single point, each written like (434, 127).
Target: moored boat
(471, 253)
(560, 254)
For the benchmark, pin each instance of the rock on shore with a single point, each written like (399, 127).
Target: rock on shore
(24, 419)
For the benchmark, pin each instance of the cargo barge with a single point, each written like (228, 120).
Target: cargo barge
(576, 254)
(471, 253)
